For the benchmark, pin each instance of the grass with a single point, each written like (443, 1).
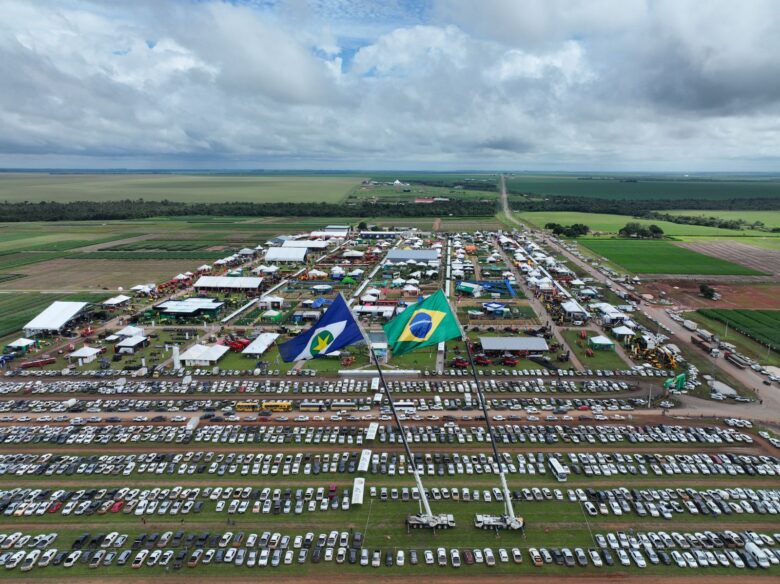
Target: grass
(610, 224)
(548, 524)
(647, 187)
(601, 359)
(191, 188)
(661, 257)
(770, 219)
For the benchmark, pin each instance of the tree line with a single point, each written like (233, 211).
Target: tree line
(142, 209)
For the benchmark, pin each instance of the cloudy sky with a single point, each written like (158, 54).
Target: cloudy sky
(678, 85)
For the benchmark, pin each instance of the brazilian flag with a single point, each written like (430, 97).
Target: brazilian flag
(425, 323)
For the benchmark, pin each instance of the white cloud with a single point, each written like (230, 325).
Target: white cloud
(490, 84)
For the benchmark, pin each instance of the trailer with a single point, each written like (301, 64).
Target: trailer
(736, 360)
(690, 325)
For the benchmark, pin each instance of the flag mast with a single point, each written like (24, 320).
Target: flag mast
(508, 520)
(426, 518)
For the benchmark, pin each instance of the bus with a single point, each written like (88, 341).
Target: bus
(343, 404)
(278, 405)
(310, 405)
(405, 406)
(560, 472)
(248, 406)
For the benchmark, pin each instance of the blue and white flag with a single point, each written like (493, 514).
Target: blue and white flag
(335, 330)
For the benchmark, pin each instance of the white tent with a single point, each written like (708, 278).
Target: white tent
(203, 355)
(85, 354)
(54, 318)
(21, 343)
(130, 331)
(261, 344)
(116, 300)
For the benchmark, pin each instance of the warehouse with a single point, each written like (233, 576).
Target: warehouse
(229, 283)
(203, 355)
(55, 318)
(420, 256)
(287, 255)
(514, 344)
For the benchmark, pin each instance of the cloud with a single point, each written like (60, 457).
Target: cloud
(346, 84)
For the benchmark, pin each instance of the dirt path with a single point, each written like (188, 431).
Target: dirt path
(437, 224)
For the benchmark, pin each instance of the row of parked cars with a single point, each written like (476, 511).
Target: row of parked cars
(449, 432)
(587, 464)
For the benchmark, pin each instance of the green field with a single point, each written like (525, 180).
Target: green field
(601, 359)
(611, 224)
(770, 219)
(661, 257)
(606, 186)
(191, 188)
(763, 326)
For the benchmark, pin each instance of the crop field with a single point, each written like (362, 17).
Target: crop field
(175, 245)
(192, 188)
(762, 326)
(149, 255)
(606, 223)
(661, 257)
(17, 310)
(63, 274)
(656, 187)
(770, 219)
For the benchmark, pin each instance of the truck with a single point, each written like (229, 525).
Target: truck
(704, 346)
(735, 360)
(690, 325)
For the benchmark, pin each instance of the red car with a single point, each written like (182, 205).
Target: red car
(482, 360)
(54, 507)
(460, 363)
(117, 507)
(510, 361)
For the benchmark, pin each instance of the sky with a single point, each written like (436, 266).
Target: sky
(613, 85)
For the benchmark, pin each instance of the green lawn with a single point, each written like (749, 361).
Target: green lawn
(610, 224)
(661, 257)
(601, 359)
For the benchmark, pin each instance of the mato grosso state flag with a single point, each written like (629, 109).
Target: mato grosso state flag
(425, 323)
(336, 329)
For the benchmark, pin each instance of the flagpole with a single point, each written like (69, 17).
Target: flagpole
(510, 512)
(423, 496)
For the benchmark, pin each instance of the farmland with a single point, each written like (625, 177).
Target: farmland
(762, 326)
(658, 187)
(16, 310)
(605, 223)
(770, 219)
(661, 257)
(192, 188)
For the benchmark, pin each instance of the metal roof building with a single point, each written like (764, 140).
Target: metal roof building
(395, 256)
(228, 283)
(530, 344)
(286, 254)
(54, 318)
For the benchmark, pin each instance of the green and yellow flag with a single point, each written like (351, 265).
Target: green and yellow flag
(425, 323)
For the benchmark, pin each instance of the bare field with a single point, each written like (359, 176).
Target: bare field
(67, 274)
(685, 294)
(761, 260)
